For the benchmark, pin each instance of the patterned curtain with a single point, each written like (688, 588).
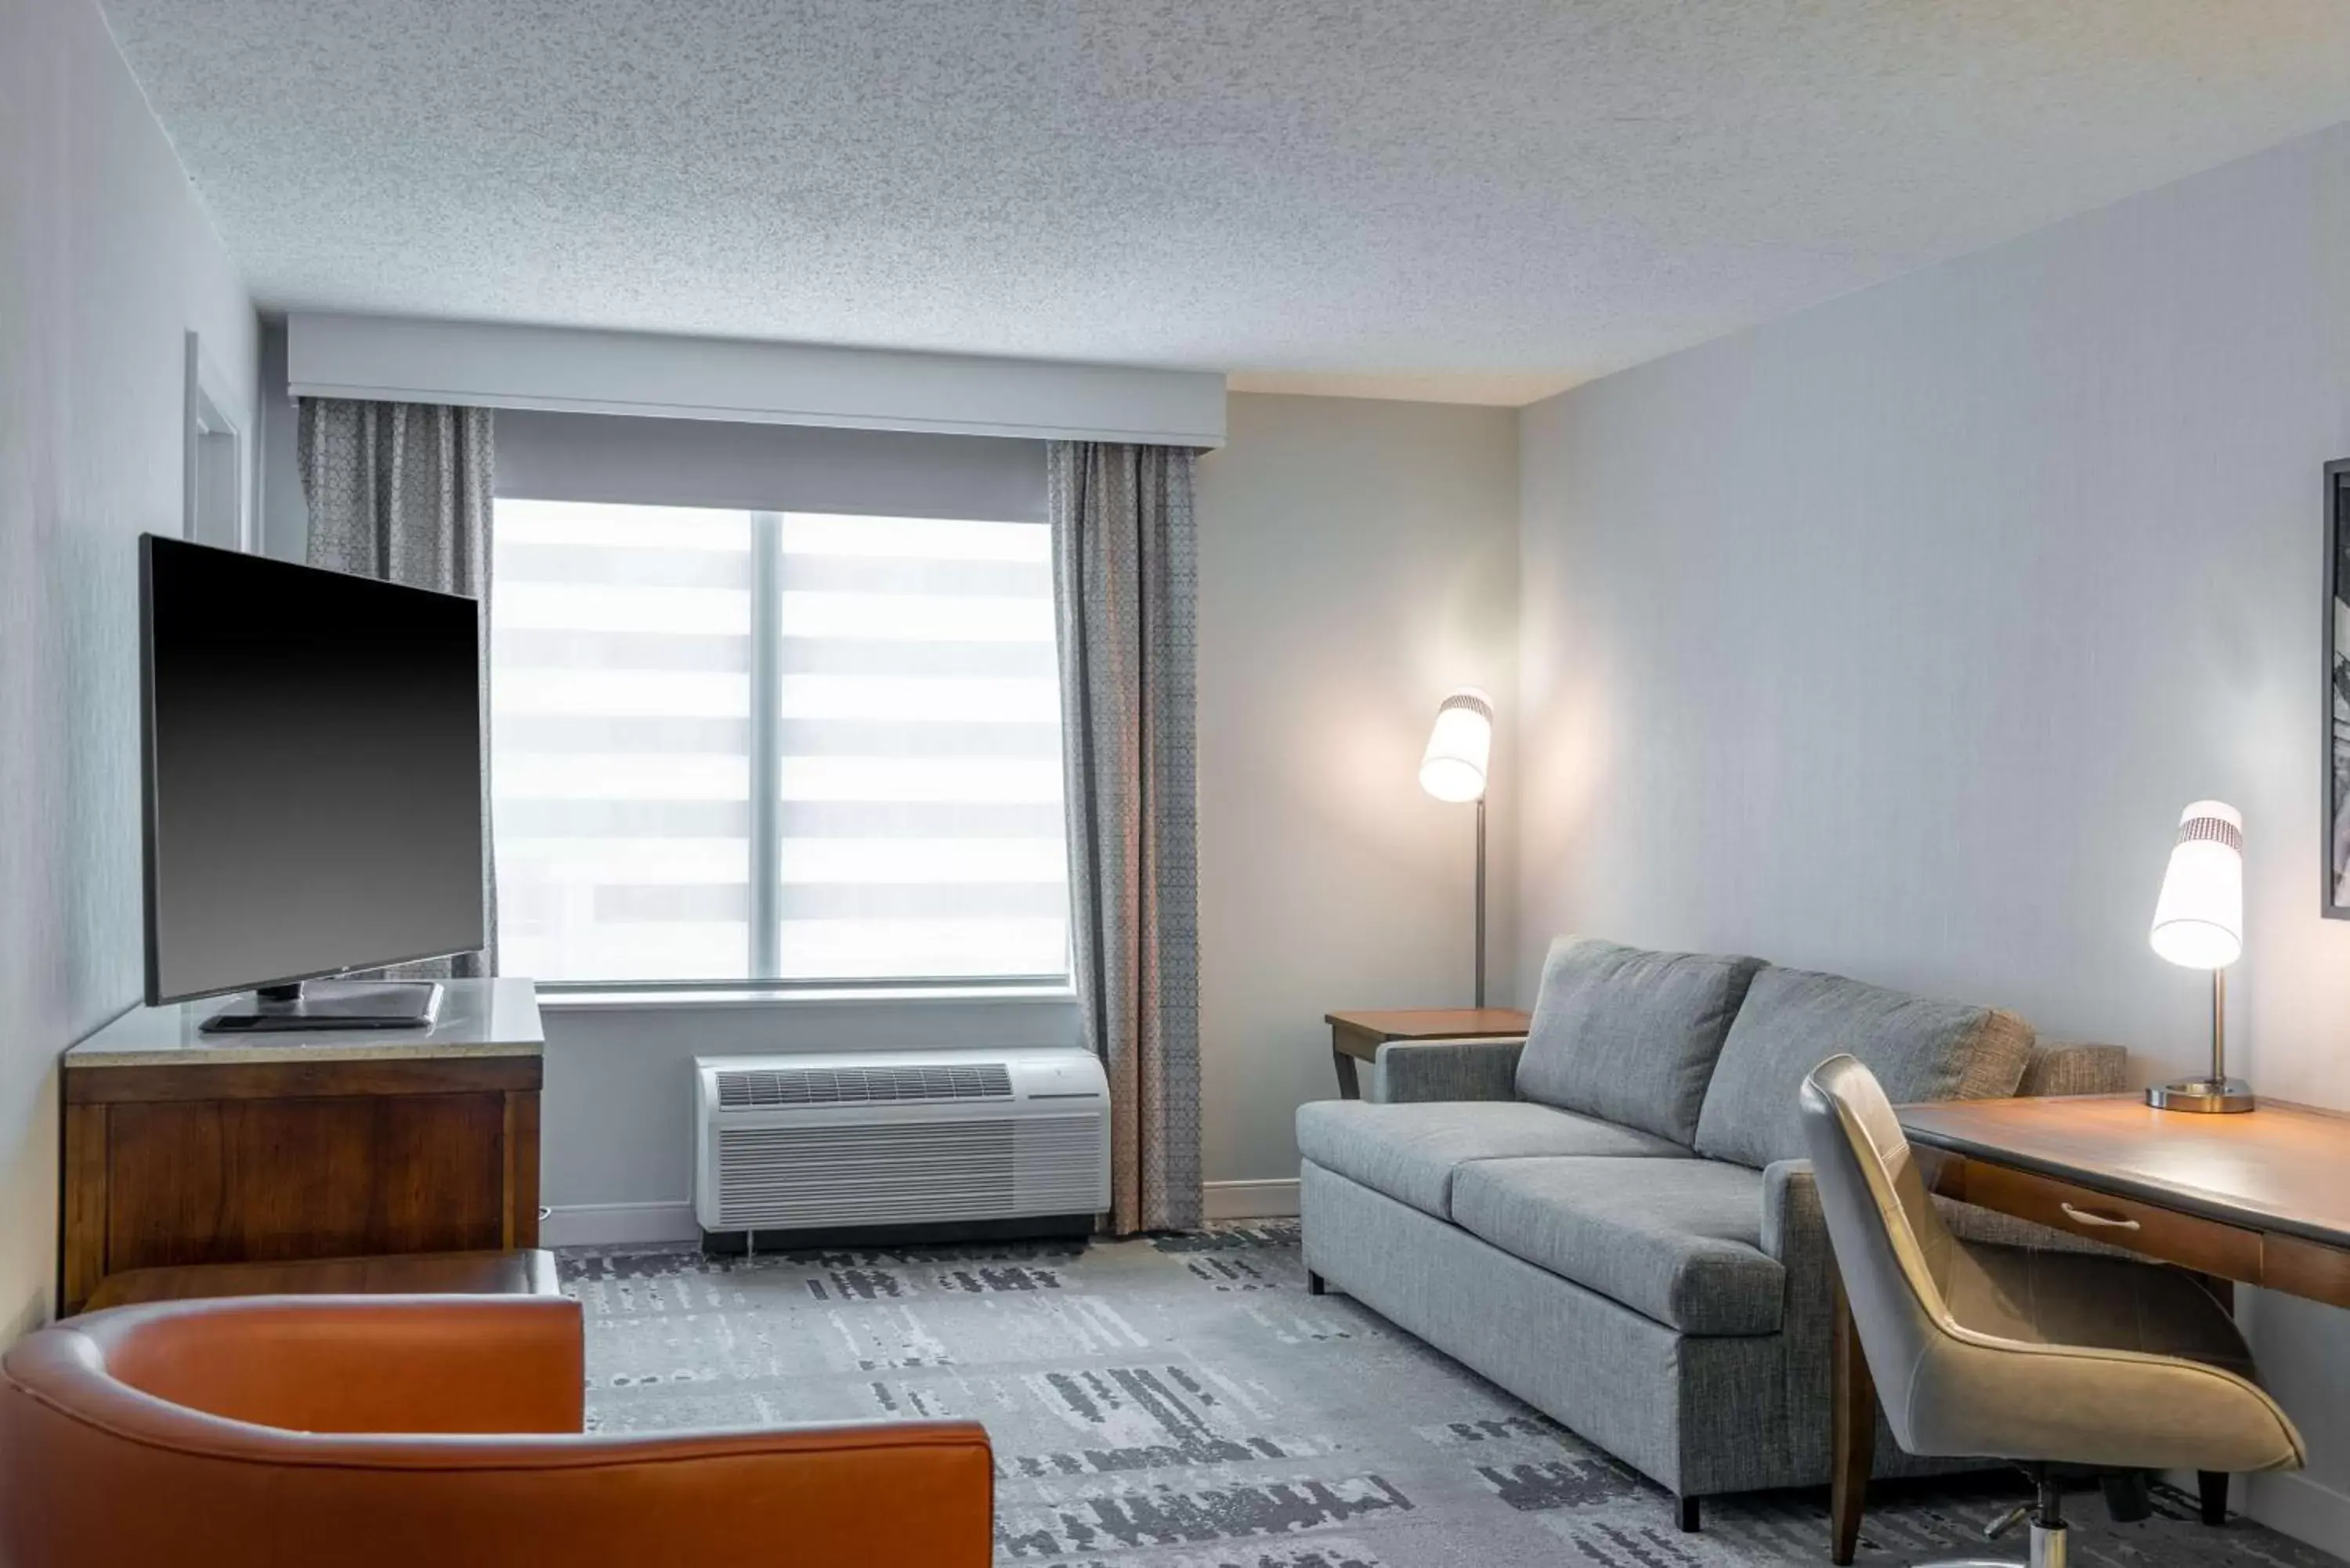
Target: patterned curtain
(401, 492)
(1124, 589)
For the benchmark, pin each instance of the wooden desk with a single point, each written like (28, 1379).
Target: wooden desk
(1357, 1036)
(182, 1148)
(2262, 1198)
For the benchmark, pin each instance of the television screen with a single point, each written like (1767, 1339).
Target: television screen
(313, 770)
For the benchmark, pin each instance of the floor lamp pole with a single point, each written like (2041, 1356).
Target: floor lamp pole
(1480, 900)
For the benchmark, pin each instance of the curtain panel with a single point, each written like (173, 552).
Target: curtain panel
(1125, 584)
(401, 492)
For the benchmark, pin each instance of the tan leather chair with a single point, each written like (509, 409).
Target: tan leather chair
(434, 1431)
(2050, 1358)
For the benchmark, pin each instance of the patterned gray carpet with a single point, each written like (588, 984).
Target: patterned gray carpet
(1183, 1403)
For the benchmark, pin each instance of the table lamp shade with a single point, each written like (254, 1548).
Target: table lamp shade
(2199, 920)
(1453, 767)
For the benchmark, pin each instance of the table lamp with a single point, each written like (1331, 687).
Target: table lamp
(2199, 923)
(1453, 768)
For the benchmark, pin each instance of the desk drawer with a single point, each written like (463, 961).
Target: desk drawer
(2207, 1246)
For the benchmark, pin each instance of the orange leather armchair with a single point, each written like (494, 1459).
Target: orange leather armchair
(434, 1431)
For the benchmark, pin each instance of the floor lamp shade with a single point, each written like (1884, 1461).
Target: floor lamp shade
(2199, 920)
(1460, 747)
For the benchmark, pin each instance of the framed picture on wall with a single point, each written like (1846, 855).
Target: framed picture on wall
(2335, 899)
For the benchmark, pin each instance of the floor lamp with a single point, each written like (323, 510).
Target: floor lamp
(1453, 768)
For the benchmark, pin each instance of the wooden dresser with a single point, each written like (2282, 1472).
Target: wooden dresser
(181, 1148)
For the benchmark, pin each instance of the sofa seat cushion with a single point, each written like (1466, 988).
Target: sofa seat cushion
(1794, 1020)
(1678, 1240)
(1410, 1152)
(1629, 1035)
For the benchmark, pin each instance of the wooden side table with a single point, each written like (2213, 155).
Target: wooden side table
(1357, 1036)
(182, 1148)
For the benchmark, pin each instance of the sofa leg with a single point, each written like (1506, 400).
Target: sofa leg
(1313, 1285)
(1687, 1506)
(2214, 1487)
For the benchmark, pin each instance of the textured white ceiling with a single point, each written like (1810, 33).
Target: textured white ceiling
(1518, 194)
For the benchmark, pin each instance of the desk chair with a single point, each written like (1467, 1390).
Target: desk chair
(2063, 1362)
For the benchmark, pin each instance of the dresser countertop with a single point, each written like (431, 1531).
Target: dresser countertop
(478, 1018)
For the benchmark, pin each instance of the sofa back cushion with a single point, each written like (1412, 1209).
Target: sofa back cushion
(1630, 1035)
(1919, 1049)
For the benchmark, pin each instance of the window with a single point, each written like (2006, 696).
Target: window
(731, 745)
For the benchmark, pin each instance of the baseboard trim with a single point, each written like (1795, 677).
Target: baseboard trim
(617, 1224)
(2305, 1510)
(1271, 1200)
(631, 1224)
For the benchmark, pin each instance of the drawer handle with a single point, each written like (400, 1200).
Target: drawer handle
(2090, 1217)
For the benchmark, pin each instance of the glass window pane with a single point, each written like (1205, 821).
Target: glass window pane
(619, 740)
(919, 736)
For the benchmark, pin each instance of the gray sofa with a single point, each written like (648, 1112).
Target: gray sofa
(1613, 1218)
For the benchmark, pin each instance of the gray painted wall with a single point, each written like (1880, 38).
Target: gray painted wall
(106, 263)
(1891, 638)
(1358, 560)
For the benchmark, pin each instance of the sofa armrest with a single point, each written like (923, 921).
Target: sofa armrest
(1795, 1233)
(2075, 1067)
(903, 1495)
(445, 1363)
(1794, 1228)
(1416, 1070)
(915, 1494)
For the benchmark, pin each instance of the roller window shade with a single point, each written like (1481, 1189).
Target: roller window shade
(732, 743)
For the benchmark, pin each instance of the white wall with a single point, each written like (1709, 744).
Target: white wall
(1358, 560)
(1891, 638)
(617, 1116)
(106, 263)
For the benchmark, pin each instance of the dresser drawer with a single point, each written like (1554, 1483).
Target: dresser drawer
(2208, 1246)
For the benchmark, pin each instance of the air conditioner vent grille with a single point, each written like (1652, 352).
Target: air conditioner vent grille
(744, 1088)
(908, 1173)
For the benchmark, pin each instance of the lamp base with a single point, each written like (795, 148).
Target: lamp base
(2216, 1095)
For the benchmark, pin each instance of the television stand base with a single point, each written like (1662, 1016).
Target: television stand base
(322, 1005)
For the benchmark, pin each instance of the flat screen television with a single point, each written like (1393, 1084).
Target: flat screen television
(312, 773)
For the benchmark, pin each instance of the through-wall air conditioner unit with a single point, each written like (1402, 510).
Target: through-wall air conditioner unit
(805, 1150)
